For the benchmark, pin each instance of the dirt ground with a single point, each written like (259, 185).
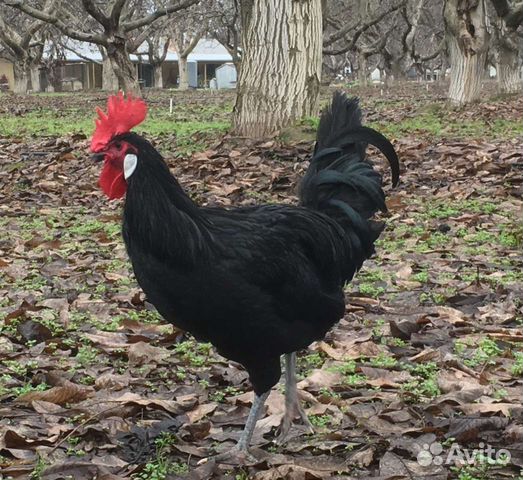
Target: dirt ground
(422, 379)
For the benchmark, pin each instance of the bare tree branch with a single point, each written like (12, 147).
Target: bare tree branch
(96, 13)
(148, 19)
(511, 13)
(341, 33)
(77, 53)
(116, 11)
(57, 22)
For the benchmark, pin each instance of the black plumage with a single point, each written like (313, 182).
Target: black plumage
(261, 281)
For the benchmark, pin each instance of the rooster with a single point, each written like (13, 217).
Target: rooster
(257, 282)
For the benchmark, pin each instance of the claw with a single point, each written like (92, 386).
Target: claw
(289, 420)
(235, 456)
(240, 454)
(293, 407)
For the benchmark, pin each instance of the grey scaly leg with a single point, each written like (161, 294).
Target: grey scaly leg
(241, 449)
(250, 425)
(292, 402)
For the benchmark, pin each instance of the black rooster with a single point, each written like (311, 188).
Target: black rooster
(257, 282)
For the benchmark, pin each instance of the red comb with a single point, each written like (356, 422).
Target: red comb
(122, 115)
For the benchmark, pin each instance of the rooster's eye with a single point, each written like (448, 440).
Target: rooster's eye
(118, 145)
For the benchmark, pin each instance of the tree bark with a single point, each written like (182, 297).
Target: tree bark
(508, 70)
(158, 75)
(123, 68)
(21, 74)
(183, 83)
(109, 80)
(35, 78)
(280, 75)
(363, 70)
(467, 41)
(443, 68)
(508, 61)
(398, 73)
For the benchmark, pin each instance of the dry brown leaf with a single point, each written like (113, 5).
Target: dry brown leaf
(507, 409)
(201, 411)
(320, 379)
(61, 395)
(142, 353)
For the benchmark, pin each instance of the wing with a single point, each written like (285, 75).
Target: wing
(295, 255)
(282, 236)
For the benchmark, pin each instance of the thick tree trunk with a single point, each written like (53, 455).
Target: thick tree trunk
(397, 71)
(280, 74)
(21, 74)
(363, 70)
(109, 80)
(467, 42)
(123, 68)
(35, 78)
(509, 71)
(508, 62)
(158, 75)
(443, 71)
(183, 83)
(466, 74)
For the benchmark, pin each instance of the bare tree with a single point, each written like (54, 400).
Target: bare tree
(507, 43)
(186, 32)
(394, 36)
(23, 45)
(467, 42)
(53, 59)
(121, 27)
(157, 48)
(280, 75)
(352, 26)
(225, 27)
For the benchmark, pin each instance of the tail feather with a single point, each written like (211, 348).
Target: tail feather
(342, 113)
(340, 182)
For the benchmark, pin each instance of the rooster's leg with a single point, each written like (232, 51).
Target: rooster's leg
(250, 425)
(240, 452)
(293, 407)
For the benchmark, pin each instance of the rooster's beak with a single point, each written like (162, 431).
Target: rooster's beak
(98, 157)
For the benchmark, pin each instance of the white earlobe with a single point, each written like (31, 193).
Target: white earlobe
(129, 165)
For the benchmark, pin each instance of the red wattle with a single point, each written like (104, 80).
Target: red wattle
(112, 181)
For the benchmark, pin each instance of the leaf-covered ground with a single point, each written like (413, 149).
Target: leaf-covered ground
(426, 365)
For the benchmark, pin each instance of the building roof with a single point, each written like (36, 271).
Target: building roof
(207, 50)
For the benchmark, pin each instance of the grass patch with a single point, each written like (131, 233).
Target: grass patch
(434, 120)
(46, 123)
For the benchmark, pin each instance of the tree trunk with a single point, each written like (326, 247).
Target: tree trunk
(280, 74)
(109, 80)
(467, 42)
(443, 70)
(20, 71)
(363, 70)
(397, 72)
(35, 78)
(158, 75)
(508, 62)
(123, 68)
(384, 77)
(508, 71)
(183, 83)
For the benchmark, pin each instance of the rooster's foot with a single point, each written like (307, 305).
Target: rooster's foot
(289, 420)
(235, 456)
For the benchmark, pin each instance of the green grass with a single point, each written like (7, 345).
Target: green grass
(194, 125)
(47, 123)
(434, 120)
